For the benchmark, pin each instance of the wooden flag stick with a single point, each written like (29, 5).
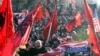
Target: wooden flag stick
(49, 33)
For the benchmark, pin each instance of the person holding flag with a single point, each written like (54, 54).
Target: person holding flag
(22, 16)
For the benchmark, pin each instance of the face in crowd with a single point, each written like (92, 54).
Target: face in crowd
(38, 44)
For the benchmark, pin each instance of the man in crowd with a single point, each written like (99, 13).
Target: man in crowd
(32, 49)
(38, 49)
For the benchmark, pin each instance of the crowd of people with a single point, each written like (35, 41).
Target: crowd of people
(36, 38)
(36, 45)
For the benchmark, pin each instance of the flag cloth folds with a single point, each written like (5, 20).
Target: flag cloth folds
(54, 25)
(46, 13)
(6, 22)
(78, 21)
(14, 42)
(92, 35)
(94, 41)
(6, 10)
(70, 25)
(26, 36)
(35, 17)
(39, 14)
(88, 13)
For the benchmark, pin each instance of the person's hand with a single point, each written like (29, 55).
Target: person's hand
(30, 44)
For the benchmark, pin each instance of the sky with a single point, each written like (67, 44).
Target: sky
(98, 2)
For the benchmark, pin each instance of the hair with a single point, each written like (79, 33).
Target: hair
(39, 41)
(25, 11)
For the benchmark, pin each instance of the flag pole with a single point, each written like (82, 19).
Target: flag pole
(49, 33)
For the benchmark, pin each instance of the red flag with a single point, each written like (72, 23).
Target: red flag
(39, 14)
(14, 42)
(7, 29)
(3, 6)
(46, 13)
(92, 36)
(94, 41)
(78, 19)
(26, 36)
(36, 15)
(46, 31)
(53, 24)
(11, 45)
(70, 25)
(88, 12)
